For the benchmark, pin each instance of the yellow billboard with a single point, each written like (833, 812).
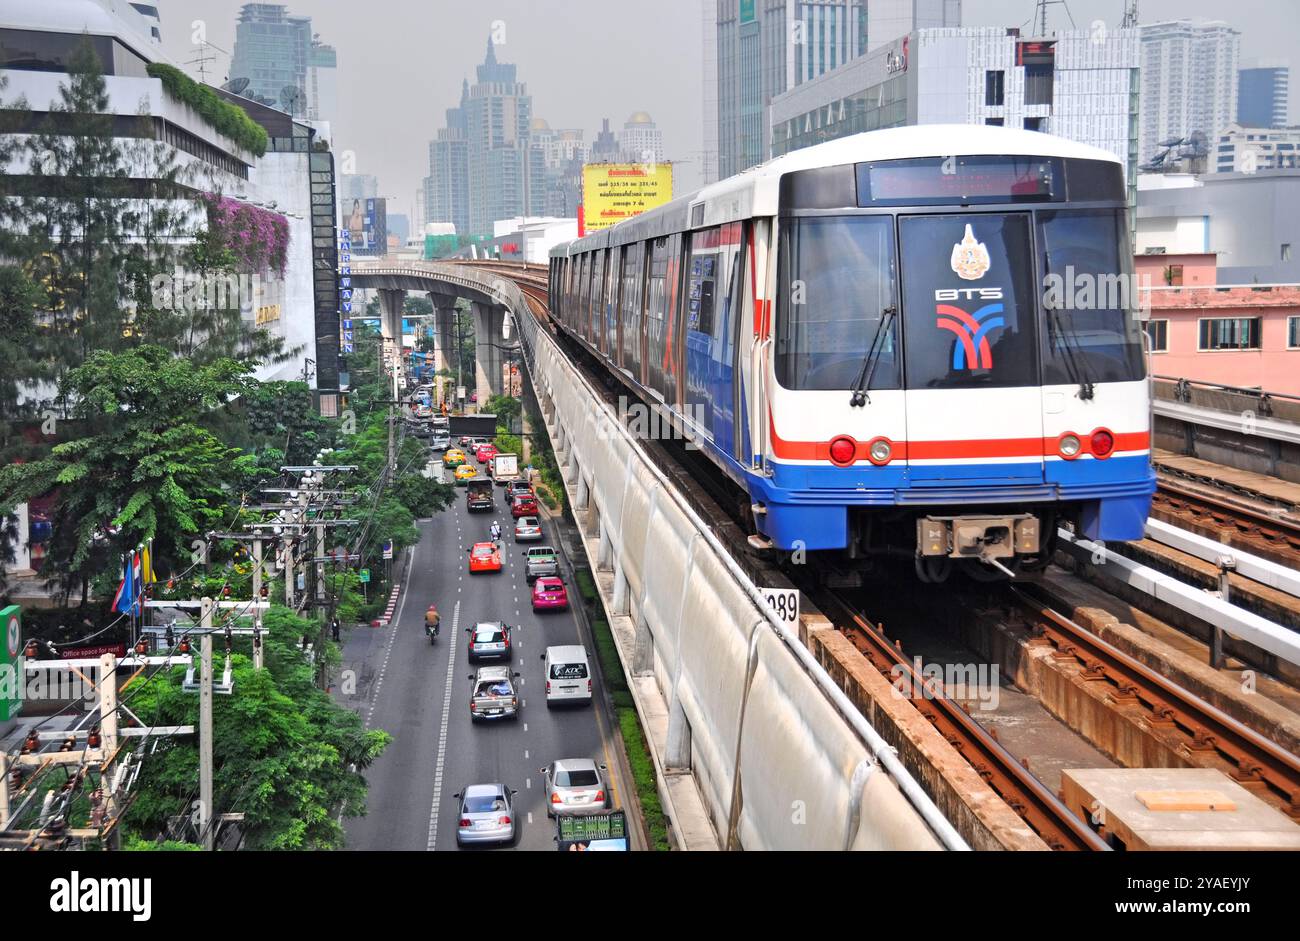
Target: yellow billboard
(612, 192)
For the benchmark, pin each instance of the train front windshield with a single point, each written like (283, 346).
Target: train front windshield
(1040, 295)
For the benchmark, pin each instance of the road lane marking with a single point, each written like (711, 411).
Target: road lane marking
(392, 635)
(530, 816)
(442, 734)
(528, 783)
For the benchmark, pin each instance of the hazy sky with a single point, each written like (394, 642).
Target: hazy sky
(401, 62)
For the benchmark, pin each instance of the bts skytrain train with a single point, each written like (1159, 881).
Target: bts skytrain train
(921, 340)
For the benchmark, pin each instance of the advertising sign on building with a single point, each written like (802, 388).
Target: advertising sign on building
(11, 678)
(345, 291)
(612, 192)
(366, 224)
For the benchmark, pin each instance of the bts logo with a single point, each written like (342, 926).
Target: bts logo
(971, 348)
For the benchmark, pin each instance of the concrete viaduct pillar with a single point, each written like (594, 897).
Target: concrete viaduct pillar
(444, 332)
(488, 319)
(390, 319)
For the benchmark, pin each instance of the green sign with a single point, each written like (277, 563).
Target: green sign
(746, 11)
(365, 576)
(11, 681)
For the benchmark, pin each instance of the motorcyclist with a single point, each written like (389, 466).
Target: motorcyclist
(431, 621)
(496, 531)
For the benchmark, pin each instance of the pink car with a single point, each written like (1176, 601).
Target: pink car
(549, 594)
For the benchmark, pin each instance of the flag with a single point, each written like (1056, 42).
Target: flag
(124, 601)
(146, 565)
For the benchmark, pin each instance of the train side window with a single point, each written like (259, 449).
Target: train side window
(632, 298)
(702, 278)
(657, 312)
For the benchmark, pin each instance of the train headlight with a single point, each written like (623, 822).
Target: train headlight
(843, 450)
(1102, 442)
(881, 451)
(1069, 446)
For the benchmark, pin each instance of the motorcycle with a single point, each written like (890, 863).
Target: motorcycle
(432, 622)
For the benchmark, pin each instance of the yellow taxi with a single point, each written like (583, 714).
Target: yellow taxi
(454, 457)
(465, 473)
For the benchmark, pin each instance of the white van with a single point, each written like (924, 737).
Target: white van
(568, 675)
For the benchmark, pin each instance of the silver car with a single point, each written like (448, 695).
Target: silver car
(489, 640)
(575, 786)
(486, 815)
(494, 695)
(528, 529)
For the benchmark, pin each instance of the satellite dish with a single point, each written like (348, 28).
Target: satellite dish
(236, 85)
(290, 98)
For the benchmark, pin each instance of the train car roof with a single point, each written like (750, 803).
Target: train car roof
(755, 192)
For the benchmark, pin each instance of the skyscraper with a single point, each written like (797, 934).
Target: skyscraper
(446, 190)
(502, 162)
(285, 64)
(767, 47)
(1189, 82)
(1263, 95)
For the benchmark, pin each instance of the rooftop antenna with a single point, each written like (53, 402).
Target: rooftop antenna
(1041, 14)
(1130, 15)
(204, 57)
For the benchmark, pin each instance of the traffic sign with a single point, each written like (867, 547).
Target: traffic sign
(365, 576)
(388, 549)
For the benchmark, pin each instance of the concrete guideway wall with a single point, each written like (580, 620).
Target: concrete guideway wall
(773, 762)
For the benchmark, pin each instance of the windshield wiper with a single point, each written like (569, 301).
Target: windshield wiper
(872, 359)
(1075, 361)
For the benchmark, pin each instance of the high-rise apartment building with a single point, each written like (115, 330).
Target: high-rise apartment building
(1189, 82)
(1263, 95)
(765, 48)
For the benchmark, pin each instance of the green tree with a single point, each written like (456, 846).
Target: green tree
(284, 753)
(507, 410)
(136, 463)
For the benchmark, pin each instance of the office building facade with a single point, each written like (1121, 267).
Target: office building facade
(765, 48)
(284, 62)
(1263, 96)
(1069, 84)
(1250, 149)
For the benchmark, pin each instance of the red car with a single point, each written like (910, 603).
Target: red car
(523, 505)
(485, 453)
(549, 594)
(484, 557)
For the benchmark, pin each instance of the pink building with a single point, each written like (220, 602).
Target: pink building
(1235, 335)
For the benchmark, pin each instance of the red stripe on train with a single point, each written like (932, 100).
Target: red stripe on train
(952, 450)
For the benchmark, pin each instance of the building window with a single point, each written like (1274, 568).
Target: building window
(1230, 333)
(994, 88)
(1158, 335)
(1175, 275)
(1034, 124)
(1293, 333)
(994, 122)
(1038, 84)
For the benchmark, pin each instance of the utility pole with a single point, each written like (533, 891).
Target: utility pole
(205, 727)
(257, 596)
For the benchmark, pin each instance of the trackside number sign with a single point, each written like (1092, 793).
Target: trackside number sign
(784, 602)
